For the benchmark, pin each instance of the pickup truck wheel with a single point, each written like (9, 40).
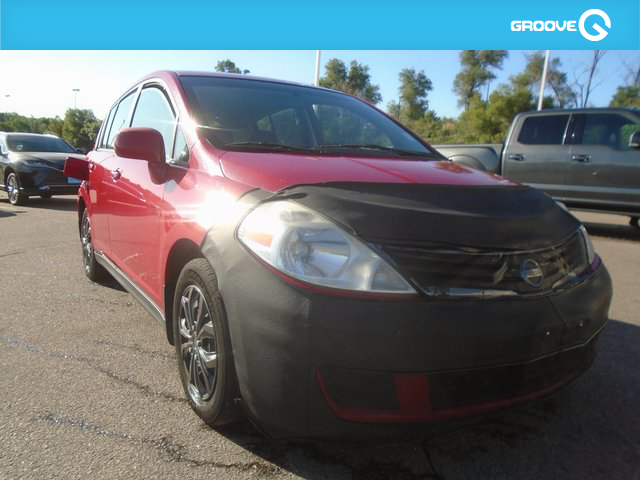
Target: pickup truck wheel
(92, 269)
(635, 222)
(13, 190)
(203, 347)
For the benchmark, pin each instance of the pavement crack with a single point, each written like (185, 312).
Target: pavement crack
(436, 475)
(47, 247)
(173, 450)
(145, 389)
(138, 349)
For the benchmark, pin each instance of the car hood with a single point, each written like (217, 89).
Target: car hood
(274, 171)
(50, 159)
(409, 202)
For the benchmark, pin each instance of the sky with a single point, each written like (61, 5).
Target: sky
(41, 83)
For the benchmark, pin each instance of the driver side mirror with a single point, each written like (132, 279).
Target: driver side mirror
(634, 139)
(81, 151)
(142, 144)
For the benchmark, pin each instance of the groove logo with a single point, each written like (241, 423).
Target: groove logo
(566, 25)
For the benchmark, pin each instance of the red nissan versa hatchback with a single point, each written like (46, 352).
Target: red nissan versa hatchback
(321, 269)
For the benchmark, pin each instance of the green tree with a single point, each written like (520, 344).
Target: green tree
(477, 71)
(628, 97)
(227, 66)
(414, 89)
(563, 95)
(354, 81)
(80, 128)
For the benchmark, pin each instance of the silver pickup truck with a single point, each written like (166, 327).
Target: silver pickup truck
(588, 159)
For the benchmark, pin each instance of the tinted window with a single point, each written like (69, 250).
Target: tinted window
(543, 130)
(33, 143)
(341, 126)
(119, 119)
(107, 124)
(153, 111)
(180, 149)
(239, 110)
(608, 129)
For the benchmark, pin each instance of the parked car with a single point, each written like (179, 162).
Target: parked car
(323, 270)
(587, 158)
(32, 164)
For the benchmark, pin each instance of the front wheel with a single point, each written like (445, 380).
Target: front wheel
(635, 222)
(13, 190)
(203, 347)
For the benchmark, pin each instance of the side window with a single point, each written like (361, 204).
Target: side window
(3, 147)
(153, 111)
(342, 127)
(608, 129)
(105, 128)
(119, 119)
(543, 130)
(180, 149)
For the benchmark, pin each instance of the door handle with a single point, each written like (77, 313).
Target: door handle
(581, 158)
(516, 156)
(116, 174)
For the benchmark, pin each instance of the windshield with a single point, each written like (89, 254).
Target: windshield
(34, 143)
(241, 114)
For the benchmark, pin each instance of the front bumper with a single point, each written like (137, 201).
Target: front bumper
(46, 180)
(311, 365)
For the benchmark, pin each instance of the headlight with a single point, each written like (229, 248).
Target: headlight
(309, 247)
(591, 254)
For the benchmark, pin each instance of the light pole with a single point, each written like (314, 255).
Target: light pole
(7, 96)
(317, 76)
(75, 97)
(544, 80)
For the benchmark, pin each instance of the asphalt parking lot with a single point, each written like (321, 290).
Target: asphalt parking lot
(89, 387)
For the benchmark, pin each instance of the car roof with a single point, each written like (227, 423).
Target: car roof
(238, 76)
(547, 111)
(29, 134)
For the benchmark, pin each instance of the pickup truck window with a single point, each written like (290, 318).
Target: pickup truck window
(608, 129)
(543, 130)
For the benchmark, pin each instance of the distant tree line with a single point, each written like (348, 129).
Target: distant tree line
(486, 116)
(79, 127)
(487, 113)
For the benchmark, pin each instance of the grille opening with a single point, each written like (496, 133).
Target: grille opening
(450, 272)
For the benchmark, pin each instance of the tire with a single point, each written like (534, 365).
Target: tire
(635, 222)
(92, 269)
(46, 196)
(203, 350)
(13, 190)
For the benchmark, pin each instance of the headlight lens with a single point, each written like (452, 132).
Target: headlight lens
(591, 254)
(308, 246)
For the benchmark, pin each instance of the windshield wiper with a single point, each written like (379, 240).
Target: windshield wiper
(278, 147)
(371, 146)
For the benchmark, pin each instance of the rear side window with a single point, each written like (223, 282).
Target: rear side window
(153, 111)
(608, 129)
(107, 125)
(119, 119)
(543, 130)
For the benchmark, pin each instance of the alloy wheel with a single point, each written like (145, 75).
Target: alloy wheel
(12, 188)
(85, 238)
(198, 350)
